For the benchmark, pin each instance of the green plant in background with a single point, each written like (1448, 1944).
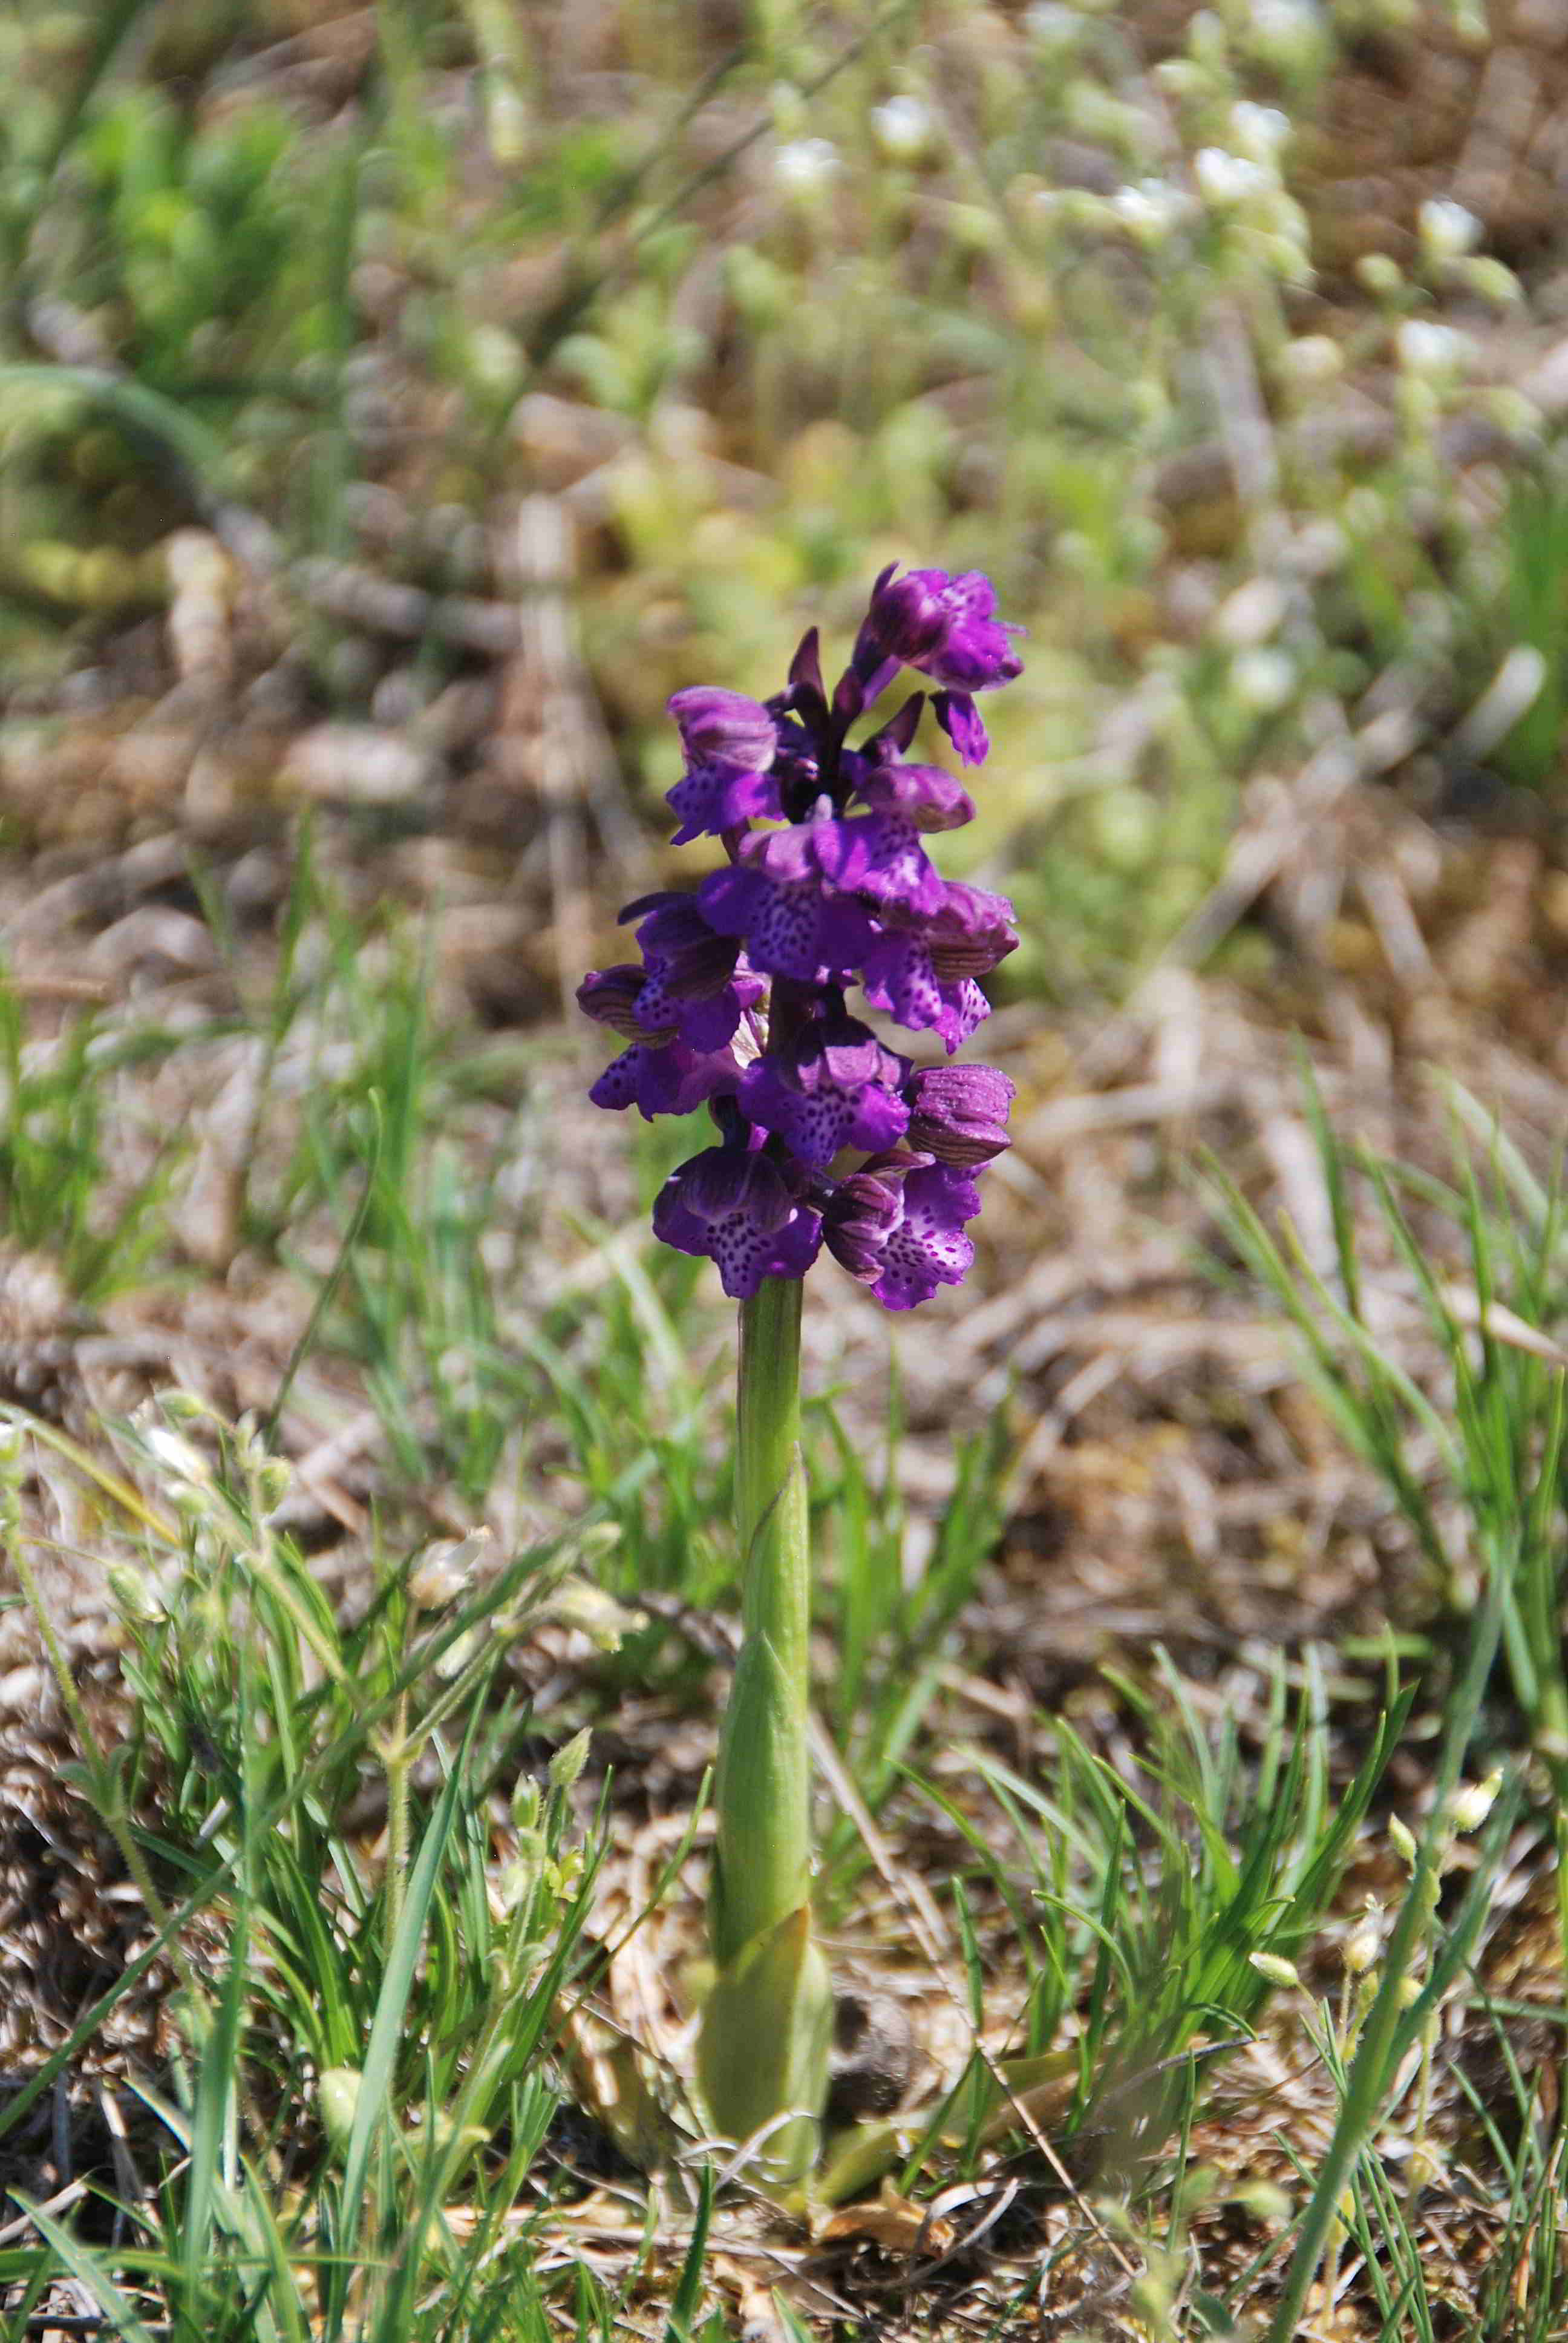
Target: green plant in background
(1493, 1446)
(55, 1106)
(1497, 1444)
(396, 2028)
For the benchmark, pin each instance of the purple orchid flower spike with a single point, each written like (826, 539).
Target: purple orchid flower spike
(738, 1001)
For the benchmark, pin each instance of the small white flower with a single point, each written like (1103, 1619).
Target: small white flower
(1263, 680)
(178, 1456)
(1250, 614)
(1361, 1945)
(1447, 229)
(1471, 1804)
(1425, 347)
(1311, 360)
(1151, 209)
(1289, 34)
(1055, 28)
(1226, 180)
(807, 166)
(1259, 131)
(902, 128)
(445, 1571)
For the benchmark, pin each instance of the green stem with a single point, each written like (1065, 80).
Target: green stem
(764, 1784)
(762, 2055)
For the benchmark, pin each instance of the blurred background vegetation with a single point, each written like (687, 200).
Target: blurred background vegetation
(399, 401)
(1215, 333)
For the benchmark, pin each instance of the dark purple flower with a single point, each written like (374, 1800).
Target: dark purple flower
(831, 1085)
(842, 892)
(667, 1079)
(958, 1113)
(922, 795)
(637, 1004)
(704, 1024)
(923, 972)
(682, 946)
(724, 727)
(732, 1204)
(713, 799)
(946, 627)
(876, 855)
(928, 1247)
(962, 720)
(797, 928)
(860, 1215)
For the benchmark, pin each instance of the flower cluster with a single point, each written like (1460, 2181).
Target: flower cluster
(738, 1000)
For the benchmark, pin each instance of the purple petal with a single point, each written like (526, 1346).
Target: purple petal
(947, 627)
(899, 976)
(861, 1215)
(713, 799)
(928, 1247)
(960, 719)
(733, 1207)
(795, 930)
(718, 726)
(923, 795)
(958, 1113)
(671, 1080)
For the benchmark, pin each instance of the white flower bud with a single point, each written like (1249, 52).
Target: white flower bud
(1265, 680)
(805, 166)
(1289, 35)
(178, 1456)
(902, 128)
(1271, 1965)
(134, 1593)
(1402, 1841)
(1379, 275)
(1151, 209)
(181, 1406)
(1472, 1802)
(1251, 613)
(445, 1571)
(1425, 347)
(1360, 1949)
(1056, 29)
(1259, 131)
(1448, 231)
(1227, 180)
(337, 2097)
(1311, 360)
